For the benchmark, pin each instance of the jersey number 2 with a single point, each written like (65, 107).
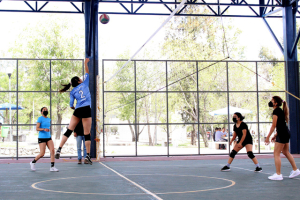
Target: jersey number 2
(81, 92)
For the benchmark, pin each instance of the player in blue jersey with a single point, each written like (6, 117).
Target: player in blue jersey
(82, 111)
(43, 126)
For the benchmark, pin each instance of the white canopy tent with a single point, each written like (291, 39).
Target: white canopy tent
(232, 110)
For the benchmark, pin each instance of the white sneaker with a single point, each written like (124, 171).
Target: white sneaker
(294, 173)
(53, 169)
(276, 177)
(32, 166)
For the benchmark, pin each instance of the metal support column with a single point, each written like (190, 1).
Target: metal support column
(292, 72)
(261, 9)
(91, 51)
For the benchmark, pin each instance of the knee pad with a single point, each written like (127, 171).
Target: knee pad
(87, 137)
(68, 133)
(250, 154)
(233, 153)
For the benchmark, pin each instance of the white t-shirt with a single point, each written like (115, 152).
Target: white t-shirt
(218, 136)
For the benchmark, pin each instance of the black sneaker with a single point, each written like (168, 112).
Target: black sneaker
(225, 169)
(258, 169)
(88, 160)
(57, 155)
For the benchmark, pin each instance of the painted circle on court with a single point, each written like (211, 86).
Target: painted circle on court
(36, 185)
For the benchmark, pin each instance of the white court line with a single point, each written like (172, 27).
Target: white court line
(185, 165)
(136, 166)
(260, 172)
(137, 185)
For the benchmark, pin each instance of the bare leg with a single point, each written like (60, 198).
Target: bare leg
(63, 141)
(50, 145)
(73, 123)
(42, 151)
(277, 150)
(87, 124)
(289, 156)
(249, 147)
(237, 149)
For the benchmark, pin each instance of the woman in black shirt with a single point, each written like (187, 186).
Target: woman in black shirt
(241, 130)
(281, 138)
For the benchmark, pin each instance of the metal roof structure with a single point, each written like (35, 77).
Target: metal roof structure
(215, 8)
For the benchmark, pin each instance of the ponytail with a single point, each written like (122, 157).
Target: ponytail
(286, 111)
(66, 87)
(74, 83)
(240, 116)
(284, 105)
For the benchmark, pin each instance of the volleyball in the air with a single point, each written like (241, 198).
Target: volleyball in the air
(104, 19)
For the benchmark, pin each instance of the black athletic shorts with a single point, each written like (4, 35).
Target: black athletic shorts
(283, 137)
(42, 140)
(83, 112)
(246, 141)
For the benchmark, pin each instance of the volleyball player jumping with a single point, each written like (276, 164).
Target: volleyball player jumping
(81, 93)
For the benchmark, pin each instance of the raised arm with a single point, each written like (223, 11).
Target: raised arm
(87, 60)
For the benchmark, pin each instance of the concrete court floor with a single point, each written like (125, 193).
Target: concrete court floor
(196, 177)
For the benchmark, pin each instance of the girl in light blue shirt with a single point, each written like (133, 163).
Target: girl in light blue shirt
(43, 126)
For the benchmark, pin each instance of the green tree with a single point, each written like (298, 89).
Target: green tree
(114, 129)
(4, 86)
(122, 104)
(194, 38)
(273, 74)
(59, 38)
